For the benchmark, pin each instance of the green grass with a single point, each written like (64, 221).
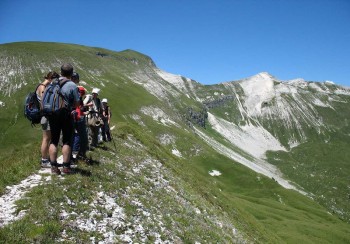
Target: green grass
(322, 169)
(260, 209)
(18, 164)
(249, 201)
(254, 196)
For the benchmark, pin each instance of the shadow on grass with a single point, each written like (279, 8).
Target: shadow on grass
(91, 161)
(82, 172)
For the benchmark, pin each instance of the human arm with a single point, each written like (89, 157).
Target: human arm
(87, 102)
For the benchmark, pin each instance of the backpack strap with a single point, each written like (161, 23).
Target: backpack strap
(99, 105)
(63, 82)
(41, 84)
(106, 110)
(36, 91)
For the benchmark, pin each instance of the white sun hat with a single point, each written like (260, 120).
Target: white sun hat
(95, 90)
(104, 100)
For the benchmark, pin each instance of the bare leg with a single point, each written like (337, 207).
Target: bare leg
(45, 144)
(53, 153)
(66, 151)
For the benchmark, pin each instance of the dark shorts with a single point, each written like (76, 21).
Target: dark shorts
(61, 122)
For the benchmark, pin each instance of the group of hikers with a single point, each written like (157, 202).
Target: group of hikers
(81, 116)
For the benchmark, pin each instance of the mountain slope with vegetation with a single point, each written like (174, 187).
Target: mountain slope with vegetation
(177, 171)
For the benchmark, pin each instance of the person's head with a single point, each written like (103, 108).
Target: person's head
(82, 91)
(67, 70)
(51, 75)
(75, 77)
(95, 92)
(104, 101)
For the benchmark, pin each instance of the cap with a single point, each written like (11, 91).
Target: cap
(95, 90)
(104, 100)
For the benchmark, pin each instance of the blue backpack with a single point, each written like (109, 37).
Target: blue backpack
(32, 109)
(53, 100)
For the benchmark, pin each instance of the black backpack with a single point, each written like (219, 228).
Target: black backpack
(32, 109)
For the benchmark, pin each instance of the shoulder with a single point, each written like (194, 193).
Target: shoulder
(88, 97)
(40, 88)
(70, 85)
(69, 89)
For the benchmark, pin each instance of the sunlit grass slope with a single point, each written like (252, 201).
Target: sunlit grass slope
(239, 199)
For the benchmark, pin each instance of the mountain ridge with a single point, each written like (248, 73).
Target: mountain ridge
(299, 132)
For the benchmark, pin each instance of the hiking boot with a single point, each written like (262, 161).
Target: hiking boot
(55, 170)
(67, 169)
(45, 163)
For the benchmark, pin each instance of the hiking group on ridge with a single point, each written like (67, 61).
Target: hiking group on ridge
(67, 114)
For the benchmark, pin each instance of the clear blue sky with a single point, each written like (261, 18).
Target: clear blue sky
(210, 41)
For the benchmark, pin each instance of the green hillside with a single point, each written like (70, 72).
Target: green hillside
(311, 122)
(161, 196)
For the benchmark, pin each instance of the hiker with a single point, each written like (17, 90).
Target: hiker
(45, 162)
(80, 139)
(62, 121)
(75, 140)
(106, 117)
(94, 116)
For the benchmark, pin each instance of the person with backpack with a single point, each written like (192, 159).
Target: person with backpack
(59, 111)
(46, 138)
(106, 117)
(94, 115)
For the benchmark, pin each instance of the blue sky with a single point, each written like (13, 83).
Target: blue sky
(210, 41)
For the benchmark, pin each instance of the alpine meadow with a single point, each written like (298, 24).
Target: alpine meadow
(257, 160)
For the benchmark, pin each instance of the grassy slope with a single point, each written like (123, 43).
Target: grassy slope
(258, 206)
(17, 137)
(262, 208)
(320, 166)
